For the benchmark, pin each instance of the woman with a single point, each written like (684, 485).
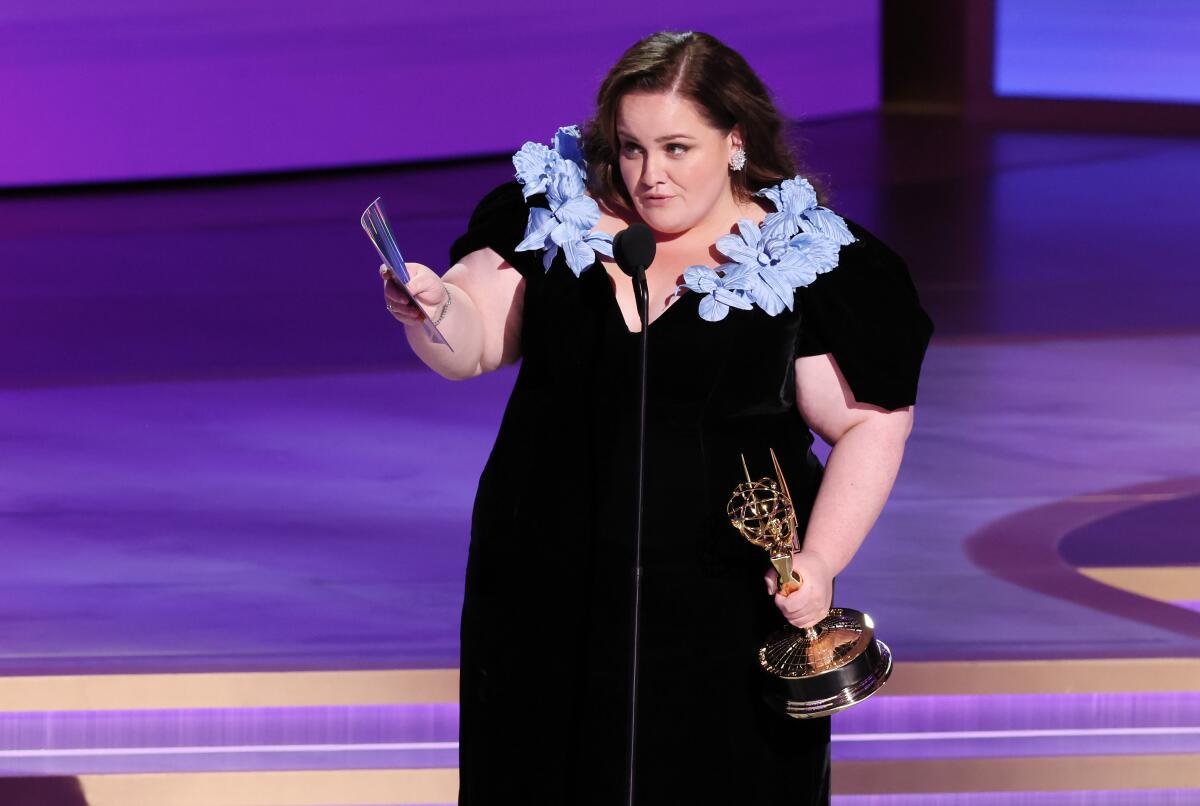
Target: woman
(769, 315)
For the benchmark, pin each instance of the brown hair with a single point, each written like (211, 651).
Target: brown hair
(727, 92)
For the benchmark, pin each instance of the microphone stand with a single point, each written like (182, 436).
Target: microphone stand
(641, 295)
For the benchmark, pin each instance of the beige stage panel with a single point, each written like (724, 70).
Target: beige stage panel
(1179, 583)
(1046, 774)
(227, 690)
(303, 788)
(375, 787)
(404, 686)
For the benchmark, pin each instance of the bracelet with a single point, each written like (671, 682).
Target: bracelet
(445, 307)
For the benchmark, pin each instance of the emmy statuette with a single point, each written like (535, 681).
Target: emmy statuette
(822, 669)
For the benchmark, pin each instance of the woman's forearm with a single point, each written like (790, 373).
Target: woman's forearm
(462, 328)
(859, 475)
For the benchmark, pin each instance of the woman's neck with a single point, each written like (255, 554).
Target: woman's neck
(722, 220)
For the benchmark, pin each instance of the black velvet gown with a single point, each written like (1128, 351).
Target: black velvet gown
(546, 615)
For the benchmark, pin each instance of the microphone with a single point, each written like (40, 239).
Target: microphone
(633, 249)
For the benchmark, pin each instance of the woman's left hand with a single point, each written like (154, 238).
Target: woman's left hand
(810, 604)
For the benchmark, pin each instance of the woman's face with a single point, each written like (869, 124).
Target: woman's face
(675, 165)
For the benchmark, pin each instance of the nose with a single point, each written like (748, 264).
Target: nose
(653, 172)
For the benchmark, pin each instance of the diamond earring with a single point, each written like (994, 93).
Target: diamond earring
(737, 160)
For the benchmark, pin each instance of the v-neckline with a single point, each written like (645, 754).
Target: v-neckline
(610, 285)
(616, 305)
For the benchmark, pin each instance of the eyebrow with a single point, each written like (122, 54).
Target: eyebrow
(660, 139)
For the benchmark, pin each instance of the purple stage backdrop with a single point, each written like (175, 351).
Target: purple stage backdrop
(140, 89)
(1128, 50)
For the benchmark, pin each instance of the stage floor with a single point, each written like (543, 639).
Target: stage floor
(234, 507)
(220, 456)
(319, 521)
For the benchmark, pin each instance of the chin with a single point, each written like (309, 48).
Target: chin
(668, 224)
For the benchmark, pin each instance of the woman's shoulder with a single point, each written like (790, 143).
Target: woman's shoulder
(562, 215)
(542, 212)
(866, 266)
(497, 222)
(866, 241)
(867, 312)
(504, 199)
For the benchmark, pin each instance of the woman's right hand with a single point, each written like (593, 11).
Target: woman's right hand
(424, 284)
(808, 603)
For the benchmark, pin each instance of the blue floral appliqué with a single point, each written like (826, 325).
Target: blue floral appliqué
(795, 202)
(560, 172)
(767, 263)
(721, 291)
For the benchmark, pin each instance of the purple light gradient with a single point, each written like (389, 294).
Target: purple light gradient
(136, 89)
(1103, 49)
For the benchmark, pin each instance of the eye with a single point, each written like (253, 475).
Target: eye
(630, 147)
(683, 148)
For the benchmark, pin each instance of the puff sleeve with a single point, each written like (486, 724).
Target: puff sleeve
(866, 312)
(499, 222)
